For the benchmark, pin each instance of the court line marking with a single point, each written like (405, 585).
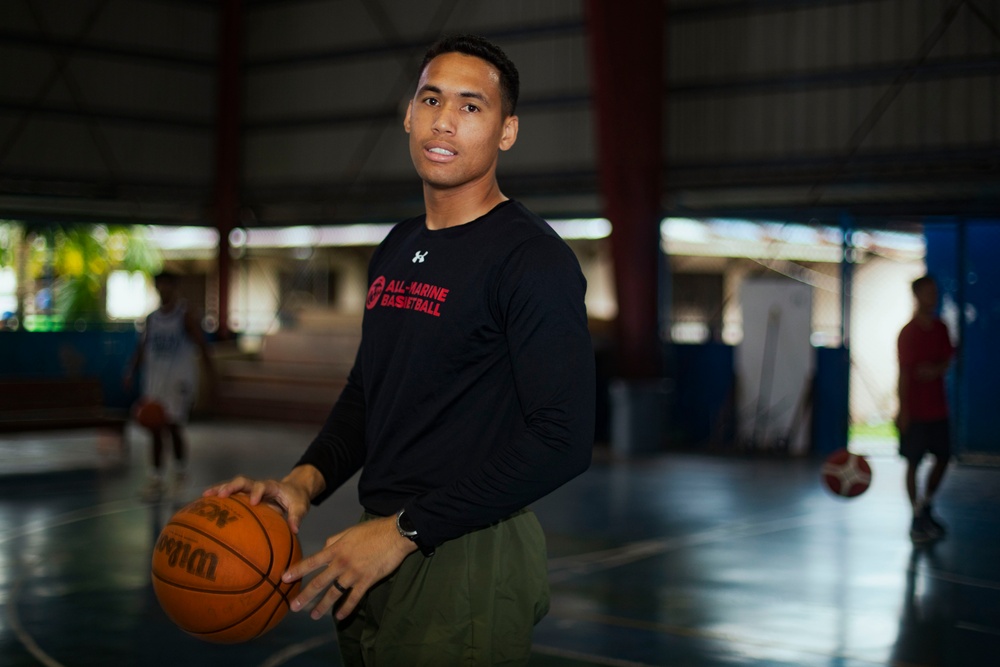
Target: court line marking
(592, 659)
(19, 632)
(975, 627)
(95, 512)
(567, 567)
(726, 638)
(13, 618)
(960, 579)
(571, 566)
(295, 650)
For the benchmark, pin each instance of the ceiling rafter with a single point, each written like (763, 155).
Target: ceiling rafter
(73, 46)
(59, 66)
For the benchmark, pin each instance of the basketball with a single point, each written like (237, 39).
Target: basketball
(846, 474)
(150, 414)
(217, 568)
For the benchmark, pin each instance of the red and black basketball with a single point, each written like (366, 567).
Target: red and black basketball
(846, 474)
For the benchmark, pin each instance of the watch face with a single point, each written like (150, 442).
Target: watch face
(406, 524)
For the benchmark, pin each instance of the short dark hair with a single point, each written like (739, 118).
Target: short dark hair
(474, 45)
(919, 283)
(167, 277)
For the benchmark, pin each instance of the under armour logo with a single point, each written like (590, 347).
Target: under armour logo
(419, 257)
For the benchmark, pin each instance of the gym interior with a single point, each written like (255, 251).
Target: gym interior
(750, 188)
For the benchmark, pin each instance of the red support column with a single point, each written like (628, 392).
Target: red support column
(627, 65)
(227, 149)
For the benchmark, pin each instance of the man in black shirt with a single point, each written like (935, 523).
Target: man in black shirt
(471, 396)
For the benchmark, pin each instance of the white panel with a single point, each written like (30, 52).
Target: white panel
(774, 364)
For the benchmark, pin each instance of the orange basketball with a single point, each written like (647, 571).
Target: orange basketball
(217, 568)
(150, 413)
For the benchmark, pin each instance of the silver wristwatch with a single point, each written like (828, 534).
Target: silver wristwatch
(409, 531)
(405, 526)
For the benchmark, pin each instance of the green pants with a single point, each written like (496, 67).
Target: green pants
(474, 602)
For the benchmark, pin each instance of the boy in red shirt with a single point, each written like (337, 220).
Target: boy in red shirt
(925, 352)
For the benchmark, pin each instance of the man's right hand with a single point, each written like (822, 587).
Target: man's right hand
(293, 493)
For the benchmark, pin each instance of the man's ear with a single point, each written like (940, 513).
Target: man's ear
(406, 118)
(509, 135)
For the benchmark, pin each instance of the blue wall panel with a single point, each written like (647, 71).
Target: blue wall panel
(963, 257)
(702, 396)
(101, 354)
(830, 408)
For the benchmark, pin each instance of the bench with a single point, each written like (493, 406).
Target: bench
(47, 404)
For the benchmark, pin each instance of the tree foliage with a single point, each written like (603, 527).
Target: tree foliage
(74, 261)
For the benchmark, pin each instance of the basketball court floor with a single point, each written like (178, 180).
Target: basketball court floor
(679, 559)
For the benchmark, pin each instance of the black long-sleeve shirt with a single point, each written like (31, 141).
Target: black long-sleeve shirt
(472, 393)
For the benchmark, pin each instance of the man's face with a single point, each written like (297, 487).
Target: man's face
(927, 297)
(456, 123)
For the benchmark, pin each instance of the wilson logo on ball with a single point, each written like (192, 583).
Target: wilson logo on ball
(199, 563)
(212, 512)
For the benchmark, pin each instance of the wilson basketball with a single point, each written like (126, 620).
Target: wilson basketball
(846, 474)
(217, 568)
(150, 414)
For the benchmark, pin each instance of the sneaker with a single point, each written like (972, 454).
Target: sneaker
(152, 491)
(933, 526)
(179, 478)
(918, 531)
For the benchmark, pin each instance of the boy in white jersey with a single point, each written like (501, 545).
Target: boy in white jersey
(167, 352)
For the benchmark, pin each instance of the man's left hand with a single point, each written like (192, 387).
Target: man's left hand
(356, 559)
